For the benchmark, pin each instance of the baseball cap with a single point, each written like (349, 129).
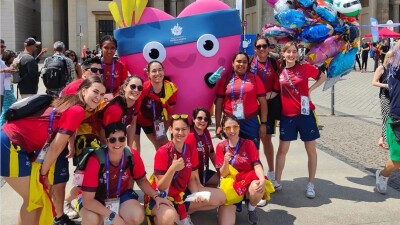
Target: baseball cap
(31, 41)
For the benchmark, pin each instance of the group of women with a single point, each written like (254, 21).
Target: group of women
(181, 164)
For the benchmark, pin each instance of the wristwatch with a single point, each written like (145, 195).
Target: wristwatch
(264, 123)
(111, 216)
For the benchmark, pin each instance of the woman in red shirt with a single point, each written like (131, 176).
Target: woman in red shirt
(175, 169)
(19, 144)
(298, 116)
(124, 107)
(115, 71)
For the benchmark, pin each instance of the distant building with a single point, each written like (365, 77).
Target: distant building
(84, 22)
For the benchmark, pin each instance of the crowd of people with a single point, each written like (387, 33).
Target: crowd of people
(100, 105)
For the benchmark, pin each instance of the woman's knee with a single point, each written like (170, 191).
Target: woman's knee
(227, 215)
(132, 212)
(165, 215)
(90, 217)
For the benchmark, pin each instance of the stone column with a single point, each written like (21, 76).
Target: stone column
(173, 7)
(382, 11)
(188, 2)
(396, 15)
(47, 24)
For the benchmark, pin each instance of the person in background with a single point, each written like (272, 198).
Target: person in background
(8, 97)
(380, 80)
(29, 70)
(298, 115)
(393, 125)
(377, 54)
(364, 55)
(98, 192)
(115, 72)
(72, 55)
(385, 47)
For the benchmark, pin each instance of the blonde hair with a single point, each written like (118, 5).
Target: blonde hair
(386, 60)
(395, 56)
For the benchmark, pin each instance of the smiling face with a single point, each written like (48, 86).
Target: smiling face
(231, 129)
(116, 142)
(179, 130)
(261, 48)
(93, 95)
(290, 54)
(133, 89)
(156, 73)
(201, 120)
(108, 49)
(240, 64)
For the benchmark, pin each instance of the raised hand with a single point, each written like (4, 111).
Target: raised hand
(216, 75)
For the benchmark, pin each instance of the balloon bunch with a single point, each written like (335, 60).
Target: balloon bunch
(327, 28)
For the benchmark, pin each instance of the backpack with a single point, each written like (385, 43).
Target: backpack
(27, 107)
(81, 160)
(371, 52)
(55, 72)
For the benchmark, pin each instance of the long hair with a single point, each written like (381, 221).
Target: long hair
(120, 98)
(284, 48)
(7, 56)
(395, 57)
(65, 102)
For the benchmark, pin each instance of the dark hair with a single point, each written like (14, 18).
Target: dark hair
(227, 117)
(7, 55)
(69, 52)
(151, 63)
(241, 53)
(114, 127)
(259, 37)
(63, 103)
(108, 38)
(88, 62)
(200, 109)
(2, 41)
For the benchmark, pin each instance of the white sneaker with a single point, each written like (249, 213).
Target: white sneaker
(271, 175)
(310, 193)
(70, 211)
(381, 182)
(262, 203)
(186, 221)
(277, 185)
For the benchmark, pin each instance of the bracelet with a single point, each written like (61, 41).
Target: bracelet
(156, 196)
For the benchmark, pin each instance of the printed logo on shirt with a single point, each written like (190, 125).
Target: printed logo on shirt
(188, 163)
(149, 103)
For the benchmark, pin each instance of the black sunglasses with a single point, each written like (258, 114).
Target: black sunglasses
(134, 86)
(94, 70)
(264, 46)
(200, 118)
(112, 140)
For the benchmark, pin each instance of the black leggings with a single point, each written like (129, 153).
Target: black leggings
(358, 61)
(364, 59)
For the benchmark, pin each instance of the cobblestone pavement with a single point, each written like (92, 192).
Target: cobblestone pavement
(351, 135)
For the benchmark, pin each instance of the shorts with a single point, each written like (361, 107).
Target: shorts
(127, 195)
(209, 174)
(271, 125)
(146, 129)
(15, 160)
(394, 146)
(249, 129)
(305, 125)
(152, 203)
(61, 170)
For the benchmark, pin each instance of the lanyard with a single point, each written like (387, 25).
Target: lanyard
(121, 170)
(183, 154)
(126, 117)
(50, 128)
(112, 74)
(290, 82)
(153, 104)
(235, 152)
(205, 160)
(264, 70)
(241, 86)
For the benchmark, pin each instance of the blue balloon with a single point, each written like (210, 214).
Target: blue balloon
(342, 64)
(305, 3)
(327, 12)
(291, 18)
(316, 33)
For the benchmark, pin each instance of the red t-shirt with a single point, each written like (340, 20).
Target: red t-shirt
(145, 117)
(291, 97)
(114, 113)
(71, 88)
(246, 158)
(268, 75)
(252, 89)
(31, 132)
(204, 147)
(92, 182)
(120, 75)
(163, 160)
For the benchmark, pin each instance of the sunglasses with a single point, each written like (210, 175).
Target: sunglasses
(235, 128)
(134, 86)
(200, 118)
(3, 46)
(112, 140)
(95, 70)
(179, 116)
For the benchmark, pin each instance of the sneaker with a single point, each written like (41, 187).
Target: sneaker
(2, 182)
(381, 182)
(271, 175)
(277, 185)
(253, 217)
(262, 203)
(310, 193)
(70, 211)
(186, 221)
(63, 220)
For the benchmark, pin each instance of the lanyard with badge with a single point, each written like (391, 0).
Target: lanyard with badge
(126, 117)
(45, 148)
(255, 69)
(237, 105)
(305, 101)
(159, 127)
(200, 148)
(113, 203)
(112, 74)
(233, 159)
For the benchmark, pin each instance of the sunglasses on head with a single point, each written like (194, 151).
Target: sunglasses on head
(235, 128)
(112, 140)
(134, 86)
(95, 70)
(179, 116)
(200, 118)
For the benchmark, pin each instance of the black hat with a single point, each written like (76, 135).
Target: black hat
(31, 41)
(114, 127)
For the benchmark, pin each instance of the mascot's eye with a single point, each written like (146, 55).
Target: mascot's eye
(207, 45)
(154, 51)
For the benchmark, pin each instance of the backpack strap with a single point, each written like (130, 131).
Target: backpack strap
(129, 160)
(101, 155)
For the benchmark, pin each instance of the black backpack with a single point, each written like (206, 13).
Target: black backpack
(81, 160)
(27, 107)
(55, 73)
